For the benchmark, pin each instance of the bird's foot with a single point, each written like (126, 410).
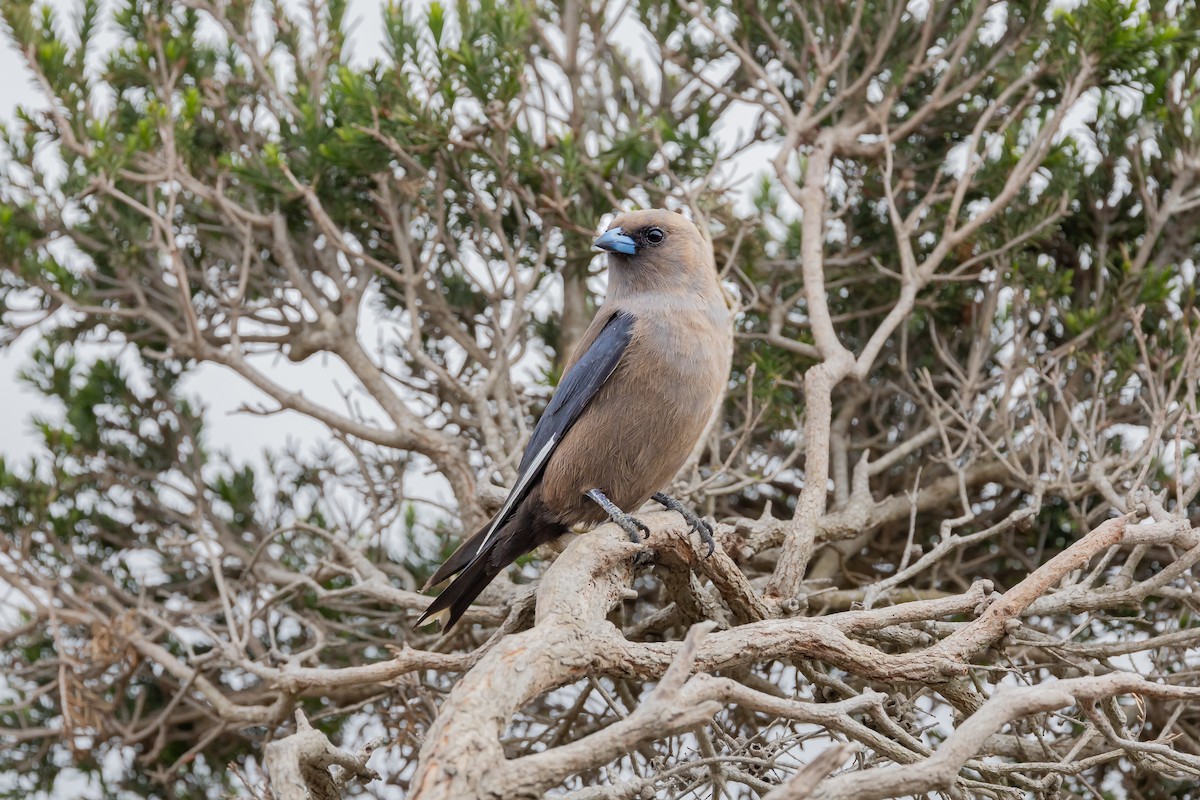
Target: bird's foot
(632, 526)
(697, 524)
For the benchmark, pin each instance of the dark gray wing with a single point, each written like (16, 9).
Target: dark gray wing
(576, 390)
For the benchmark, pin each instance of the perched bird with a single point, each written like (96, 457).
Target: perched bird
(633, 401)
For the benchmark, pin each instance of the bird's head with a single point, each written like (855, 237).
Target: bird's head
(656, 248)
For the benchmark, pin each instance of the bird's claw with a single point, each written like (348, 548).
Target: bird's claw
(632, 526)
(700, 526)
(643, 558)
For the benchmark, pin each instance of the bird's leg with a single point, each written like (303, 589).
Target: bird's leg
(631, 525)
(698, 525)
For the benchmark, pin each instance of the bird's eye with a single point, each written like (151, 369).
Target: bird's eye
(655, 236)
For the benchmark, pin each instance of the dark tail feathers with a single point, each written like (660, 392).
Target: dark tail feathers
(456, 598)
(447, 607)
(459, 559)
(529, 526)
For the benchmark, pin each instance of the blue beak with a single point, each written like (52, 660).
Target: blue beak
(615, 241)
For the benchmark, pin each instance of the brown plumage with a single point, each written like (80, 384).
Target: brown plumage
(634, 399)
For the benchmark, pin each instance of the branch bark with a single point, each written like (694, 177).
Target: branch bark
(301, 765)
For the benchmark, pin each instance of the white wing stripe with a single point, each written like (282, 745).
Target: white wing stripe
(519, 490)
